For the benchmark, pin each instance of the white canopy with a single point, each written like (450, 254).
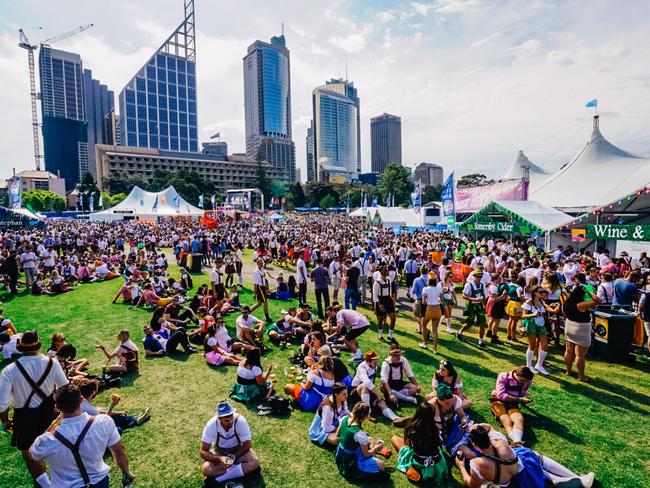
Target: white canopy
(522, 165)
(599, 174)
(28, 213)
(541, 216)
(145, 205)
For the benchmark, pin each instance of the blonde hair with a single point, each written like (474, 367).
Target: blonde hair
(124, 335)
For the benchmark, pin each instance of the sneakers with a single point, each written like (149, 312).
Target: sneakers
(423, 345)
(142, 417)
(541, 369)
(533, 369)
(488, 333)
(587, 480)
(495, 340)
(459, 336)
(481, 345)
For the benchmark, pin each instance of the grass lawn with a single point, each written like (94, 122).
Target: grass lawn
(598, 427)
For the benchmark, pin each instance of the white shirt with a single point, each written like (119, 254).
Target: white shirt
(364, 266)
(10, 347)
(63, 469)
(215, 276)
(13, 384)
(227, 438)
(365, 375)
(335, 270)
(28, 259)
(300, 268)
(390, 373)
(433, 294)
(242, 323)
(259, 277)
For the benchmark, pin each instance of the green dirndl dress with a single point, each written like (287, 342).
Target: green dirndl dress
(248, 391)
(432, 469)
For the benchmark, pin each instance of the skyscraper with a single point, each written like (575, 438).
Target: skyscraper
(336, 133)
(386, 141)
(267, 104)
(65, 131)
(347, 88)
(311, 156)
(158, 106)
(99, 103)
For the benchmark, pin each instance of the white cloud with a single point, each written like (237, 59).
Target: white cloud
(352, 43)
(525, 50)
(456, 6)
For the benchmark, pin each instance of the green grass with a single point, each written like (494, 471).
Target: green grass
(597, 427)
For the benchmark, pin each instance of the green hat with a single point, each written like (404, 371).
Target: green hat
(443, 392)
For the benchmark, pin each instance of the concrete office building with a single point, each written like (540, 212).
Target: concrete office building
(428, 174)
(385, 141)
(158, 107)
(239, 171)
(99, 108)
(219, 150)
(267, 104)
(311, 156)
(65, 130)
(39, 180)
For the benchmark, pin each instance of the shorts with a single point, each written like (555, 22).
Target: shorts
(433, 312)
(499, 408)
(388, 304)
(354, 333)
(533, 328)
(476, 315)
(396, 385)
(260, 293)
(417, 309)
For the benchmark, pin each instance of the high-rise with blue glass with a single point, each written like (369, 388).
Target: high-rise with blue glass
(99, 104)
(65, 130)
(335, 132)
(158, 106)
(267, 105)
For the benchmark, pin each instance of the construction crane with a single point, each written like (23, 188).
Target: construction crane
(25, 44)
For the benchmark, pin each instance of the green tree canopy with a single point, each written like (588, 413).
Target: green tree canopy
(473, 179)
(395, 181)
(43, 201)
(431, 194)
(316, 190)
(328, 201)
(296, 195)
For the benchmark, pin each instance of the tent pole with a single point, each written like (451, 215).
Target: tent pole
(596, 240)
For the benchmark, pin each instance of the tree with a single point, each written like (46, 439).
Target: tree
(121, 182)
(87, 189)
(395, 181)
(296, 195)
(112, 200)
(431, 194)
(328, 201)
(316, 190)
(262, 181)
(473, 179)
(43, 201)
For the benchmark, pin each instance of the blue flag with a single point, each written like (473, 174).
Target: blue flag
(201, 201)
(592, 103)
(374, 201)
(154, 207)
(447, 196)
(416, 198)
(177, 202)
(388, 200)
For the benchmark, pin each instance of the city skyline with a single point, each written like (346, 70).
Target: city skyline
(469, 112)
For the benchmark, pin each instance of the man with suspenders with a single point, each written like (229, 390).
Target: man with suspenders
(29, 383)
(232, 456)
(74, 445)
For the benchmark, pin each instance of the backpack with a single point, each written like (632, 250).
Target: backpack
(297, 358)
(279, 405)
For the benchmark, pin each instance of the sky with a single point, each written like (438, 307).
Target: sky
(474, 81)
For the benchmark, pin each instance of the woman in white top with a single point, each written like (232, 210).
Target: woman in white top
(431, 296)
(316, 388)
(126, 353)
(328, 416)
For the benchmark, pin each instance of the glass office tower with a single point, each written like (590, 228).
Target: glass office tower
(267, 104)
(99, 104)
(65, 130)
(345, 87)
(158, 105)
(385, 141)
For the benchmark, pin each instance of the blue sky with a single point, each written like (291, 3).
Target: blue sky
(473, 80)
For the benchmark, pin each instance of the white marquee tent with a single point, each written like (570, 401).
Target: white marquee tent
(145, 205)
(522, 165)
(391, 216)
(599, 174)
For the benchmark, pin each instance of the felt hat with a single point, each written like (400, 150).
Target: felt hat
(29, 342)
(225, 409)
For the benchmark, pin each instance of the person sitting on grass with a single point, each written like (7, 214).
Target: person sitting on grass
(129, 291)
(447, 375)
(230, 304)
(288, 328)
(6, 325)
(232, 456)
(199, 335)
(250, 330)
(126, 353)
(58, 284)
(39, 287)
(165, 340)
(420, 453)
(252, 384)
(510, 392)
(393, 370)
(281, 291)
(552, 471)
(449, 417)
(355, 453)
(364, 383)
(316, 387)
(89, 389)
(150, 297)
(328, 416)
(217, 355)
(9, 346)
(58, 341)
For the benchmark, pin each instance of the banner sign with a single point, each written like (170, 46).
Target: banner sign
(15, 220)
(474, 198)
(447, 196)
(451, 221)
(15, 197)
(502, 227)
(613, 232)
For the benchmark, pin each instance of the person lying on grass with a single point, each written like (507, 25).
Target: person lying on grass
(328, 416)
(226, 447)
(509, 394)
(165, 340)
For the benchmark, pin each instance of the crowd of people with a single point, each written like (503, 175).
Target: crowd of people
(350, 267)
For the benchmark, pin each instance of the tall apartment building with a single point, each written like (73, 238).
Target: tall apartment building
(428, 174)
(385, 141)
(267, 104)
(311, 156)
(99, 104)
(65, 130)
(158, 106)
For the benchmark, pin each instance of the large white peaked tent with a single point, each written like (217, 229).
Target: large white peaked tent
(146, 205)
(522, 165)
(599, 174)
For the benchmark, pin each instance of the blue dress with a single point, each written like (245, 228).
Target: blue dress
(312, 398)
(532, 474)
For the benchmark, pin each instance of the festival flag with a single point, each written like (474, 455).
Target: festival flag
(415, 198)
(213, 199)
(392, 203)
(177, 203)
(15, 193)
(201, 201)
(374, 201)
(347, 204)
(163, 200)
(91, 203)
(81, 201)
(388, 200)
(592, 103)
(447, 196)
(141, 201)
(101, 201)
(154, 208)
(364, 204)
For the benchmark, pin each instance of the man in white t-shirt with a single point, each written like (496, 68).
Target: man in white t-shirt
(250, 329)
(232, 456)
(28, 261)
(301, 278)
